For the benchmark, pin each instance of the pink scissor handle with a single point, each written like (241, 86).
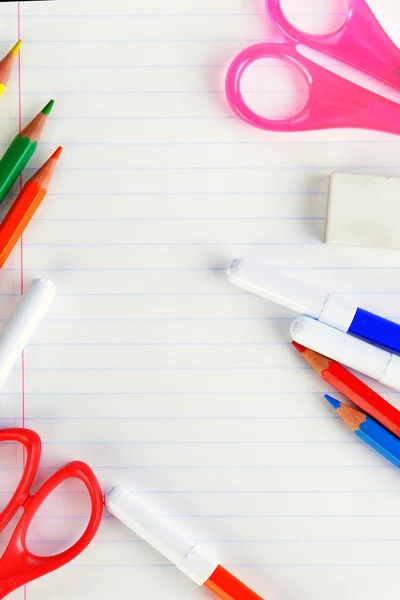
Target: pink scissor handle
(332, 101)
(18, 565)
(361, 41)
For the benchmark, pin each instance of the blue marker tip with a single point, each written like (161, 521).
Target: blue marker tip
(335, 403)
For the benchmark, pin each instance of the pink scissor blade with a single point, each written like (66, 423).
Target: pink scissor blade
(360, 42)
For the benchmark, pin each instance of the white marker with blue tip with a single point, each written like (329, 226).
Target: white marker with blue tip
(331, 309)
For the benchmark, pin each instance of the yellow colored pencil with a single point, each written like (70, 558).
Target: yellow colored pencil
(6, 66)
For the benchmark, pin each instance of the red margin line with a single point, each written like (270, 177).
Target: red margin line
(21, 242)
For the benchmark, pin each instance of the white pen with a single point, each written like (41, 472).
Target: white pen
(23, 323)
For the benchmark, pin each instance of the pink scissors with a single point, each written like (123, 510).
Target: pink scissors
(333, 102)
(18, 565)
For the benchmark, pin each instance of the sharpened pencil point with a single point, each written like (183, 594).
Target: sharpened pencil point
(47, 109)
(335, 403)
(16, 47)
(57, 153)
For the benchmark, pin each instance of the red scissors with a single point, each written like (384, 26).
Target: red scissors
(18, 565)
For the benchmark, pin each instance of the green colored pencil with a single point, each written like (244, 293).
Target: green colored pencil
(21, 150)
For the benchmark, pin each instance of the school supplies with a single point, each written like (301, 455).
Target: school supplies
(25, 206)
(199, 566)
(369, 431)
(348, 350)
(363, 210)
(21, 150)
(6, 66)
(331, 309)
(18, 565)
(23, 323)
(353, 388)
(333, 101)
(144, 360)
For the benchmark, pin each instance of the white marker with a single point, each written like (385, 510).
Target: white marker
(348, 350)
(200, 567)
(129, 509)
(21, 326)
(331, 309)
(295, 295)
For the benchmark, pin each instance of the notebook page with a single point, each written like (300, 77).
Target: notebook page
(149, 365)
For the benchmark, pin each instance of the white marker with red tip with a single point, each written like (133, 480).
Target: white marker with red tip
(182, 552)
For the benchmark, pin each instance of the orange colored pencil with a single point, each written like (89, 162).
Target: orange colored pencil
(25, 206)
(353, 388)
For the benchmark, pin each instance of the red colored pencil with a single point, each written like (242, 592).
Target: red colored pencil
(353, 388)
(25, 206)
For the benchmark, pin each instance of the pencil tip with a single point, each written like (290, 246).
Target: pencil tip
(57, 153)
(16, 47)
(333, 402)
(47, 109)
(299, 347)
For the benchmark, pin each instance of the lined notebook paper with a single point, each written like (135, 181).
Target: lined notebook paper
(149, 365)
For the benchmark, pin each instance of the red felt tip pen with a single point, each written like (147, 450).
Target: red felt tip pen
(184, 553)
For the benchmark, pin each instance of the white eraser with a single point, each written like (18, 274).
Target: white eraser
(363, 210)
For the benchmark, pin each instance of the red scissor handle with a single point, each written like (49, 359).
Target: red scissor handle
(33, 446)
(18, 565)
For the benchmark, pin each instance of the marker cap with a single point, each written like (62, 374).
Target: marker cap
(332, 309)
(277, 287)
(391, 377)
(23, 323)
(184, 553)
(338, 312)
